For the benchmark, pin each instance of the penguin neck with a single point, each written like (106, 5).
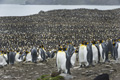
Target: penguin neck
(43, 48)
(1, 54)
(83, 45)
(17, 52)
(59, 50)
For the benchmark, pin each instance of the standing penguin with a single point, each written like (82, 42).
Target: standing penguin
(83, 55)
(102, 49)
(11, 57)
(73, 58)
(89, 53)
(95, 52)
(42, 54)
(109, 48)
(69, 53)
(116, 53)
(34, 55)
(61, 60)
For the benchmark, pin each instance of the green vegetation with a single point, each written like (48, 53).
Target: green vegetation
(48, 77)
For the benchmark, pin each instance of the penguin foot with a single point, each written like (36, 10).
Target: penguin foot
(107, 60)
(87, 66)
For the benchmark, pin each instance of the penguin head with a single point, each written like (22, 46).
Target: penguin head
(68, 42)
(86, 43)
(114, 40)
(26, 52)
(64, 48)
(39, 46)
(5, 52)
(42, 46)
(76, 51)
(83, 42)
(2, 51)
(94, 42)
(17, 51)
(60, 48)
(100, 41)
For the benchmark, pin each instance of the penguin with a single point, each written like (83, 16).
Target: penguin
(28, 56)
(11, 57)
(2, 60)
(69, 52)
(53, 53)
(102, 49)
(5, 56)
(42, 54)
(109, 48)
(83, 55)
(48, 55)
(61, 60)
(73, 58)
(17, 57)
(95, 52)
(89, 53)
(116, 50)
(22, 55)
(34, 55)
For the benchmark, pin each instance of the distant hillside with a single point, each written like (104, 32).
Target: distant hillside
(62, 2)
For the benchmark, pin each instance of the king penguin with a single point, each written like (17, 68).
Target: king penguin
(95, 52)
(28, 56)
(109, 49)
(2, 59)
(69, 53)
(61, 60)
(73, 57)
(11, 57)
(34, 55)
(83, 55)
(89, 53)
(116, 46)
(17, 59)
(42, 54)
(102, 49)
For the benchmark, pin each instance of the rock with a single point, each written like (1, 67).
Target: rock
(112, 70)
(102, 77)
(6, 76)
(67, 76)
(83, 73)
(40, 64)
(107, 66)
(54, 74)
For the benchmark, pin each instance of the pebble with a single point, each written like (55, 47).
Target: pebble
(67, 76)
(40, 64)
(107, 66)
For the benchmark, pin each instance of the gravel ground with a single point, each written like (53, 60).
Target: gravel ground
(31, 71)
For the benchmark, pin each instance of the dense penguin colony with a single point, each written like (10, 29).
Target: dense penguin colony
(88, 53)
(91, 36)
(56, 27)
